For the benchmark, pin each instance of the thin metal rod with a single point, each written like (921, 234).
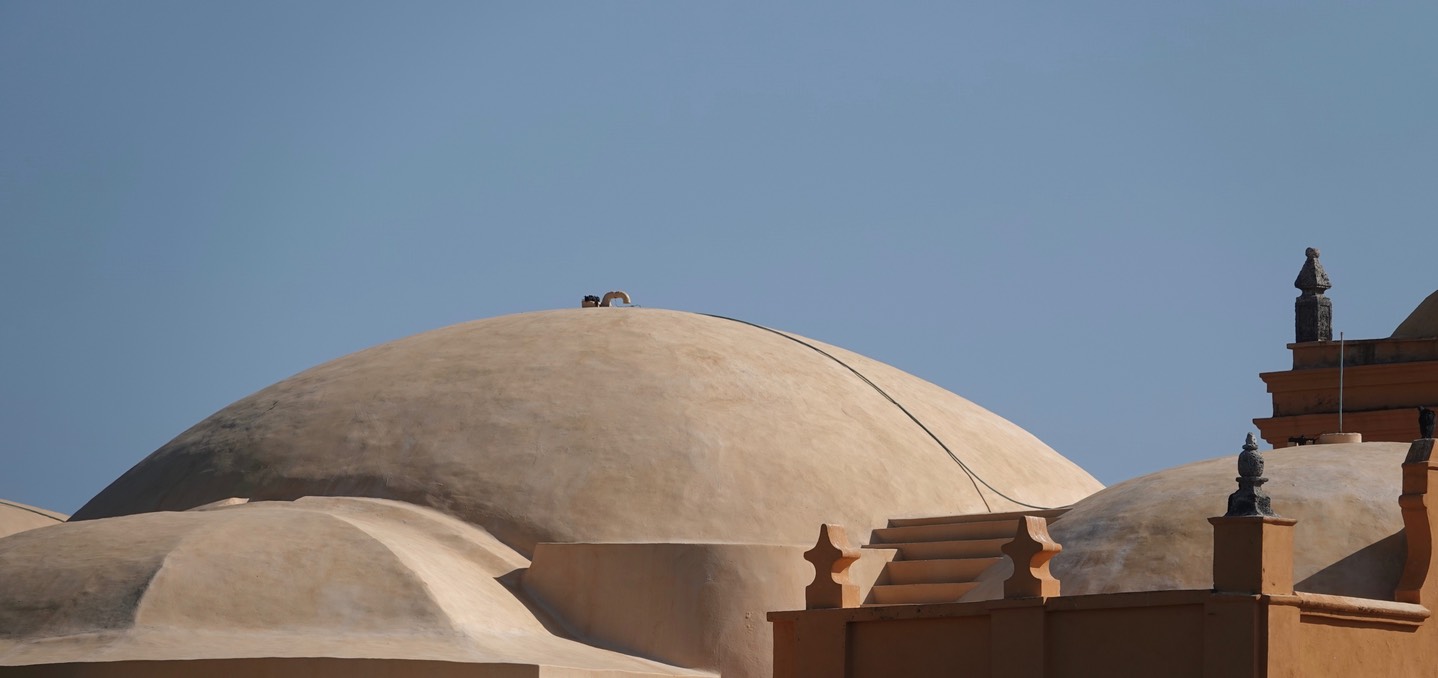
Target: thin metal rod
(1341, 356)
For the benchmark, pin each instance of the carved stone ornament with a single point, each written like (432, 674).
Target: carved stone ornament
(1250, 499)
(1031, 550)
(1312, 312)
(831, 556)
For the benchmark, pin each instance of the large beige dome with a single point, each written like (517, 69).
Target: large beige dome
(608, 425)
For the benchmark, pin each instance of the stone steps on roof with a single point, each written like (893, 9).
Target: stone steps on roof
(934, 550)
(1051, 514)
(940, 558)
(938, 571)
(918, 594)
(976, 529)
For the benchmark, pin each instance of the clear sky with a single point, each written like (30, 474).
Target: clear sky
(1086, 217)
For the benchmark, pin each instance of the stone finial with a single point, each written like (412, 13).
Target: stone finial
(1312, 278)
(1031, 550)
(590, 301)
(1312, 312)
(831, 556)
(1250, 499)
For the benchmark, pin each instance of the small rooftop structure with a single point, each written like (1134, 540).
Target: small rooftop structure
(592, 301)
(1383, 380)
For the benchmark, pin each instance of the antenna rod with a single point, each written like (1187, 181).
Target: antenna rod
(1340, 381)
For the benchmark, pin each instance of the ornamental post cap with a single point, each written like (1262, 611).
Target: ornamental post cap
(1250, 500)
(1312, 279)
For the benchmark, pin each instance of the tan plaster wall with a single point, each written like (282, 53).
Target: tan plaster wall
(606, 425)
(694, 605)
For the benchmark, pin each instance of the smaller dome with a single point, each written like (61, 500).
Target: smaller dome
(1152, 533)
(1422, 323)
(318, 577)
(17, 517)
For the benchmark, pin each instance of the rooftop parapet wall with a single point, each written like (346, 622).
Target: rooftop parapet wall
(1117, 635)
(1252, 624)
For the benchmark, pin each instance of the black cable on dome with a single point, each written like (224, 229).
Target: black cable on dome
(973, 477)
(35, 511)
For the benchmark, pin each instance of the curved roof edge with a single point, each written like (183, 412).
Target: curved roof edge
(1422, 323)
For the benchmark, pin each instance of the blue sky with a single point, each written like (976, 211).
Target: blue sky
(1086, 217)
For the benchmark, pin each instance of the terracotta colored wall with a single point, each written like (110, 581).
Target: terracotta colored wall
(1144, 641)
(1350, 648)
(1363, 352)
(1383, 381)
(1145, 634)
(1368, 387)
(1393, 426)
(920, 648)
(1178, 634)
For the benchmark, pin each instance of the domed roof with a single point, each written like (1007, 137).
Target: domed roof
(1422, 323)
(1152, 532)
(17, 517)
(320, 577)
(608, 424)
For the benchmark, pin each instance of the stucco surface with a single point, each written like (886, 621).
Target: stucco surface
(696, 605)
(1152, 533)
(1422, 322)
(320, 577)
(17, 517)
(606, 425)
